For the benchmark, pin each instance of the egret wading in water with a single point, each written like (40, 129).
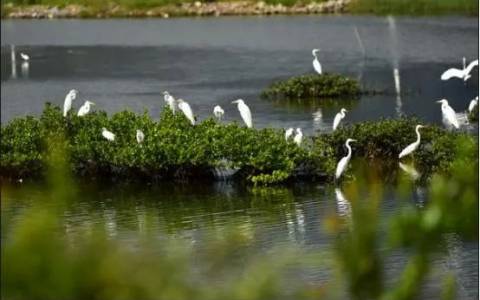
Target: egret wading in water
(140, 136)
(461, 74)
(288, 133)
(472, 104)
(342, 164)
(24, 56)
(244, 112)
(298, 137)
(218, 112)
(316, 64)
(108, 134)
(339, 117)
(85, 108)
(170, 101)
(449, 117)
(413, 146)
(67, 105)
(187, 110)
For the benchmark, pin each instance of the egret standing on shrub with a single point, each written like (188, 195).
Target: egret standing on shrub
(187, 110)
(462, 74)
(244, 112)
(108, 134)
(338, 117)
(170, 101)
(472, 104)
(140, 136)
(449, 117)
(298, 137)
(24, 56)
(288, 133)
(413, 146)
(342, 164)
(316, 64)
(218, 112)
(67, 105)
(85, 108)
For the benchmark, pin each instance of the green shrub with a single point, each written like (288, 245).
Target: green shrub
(313, 86)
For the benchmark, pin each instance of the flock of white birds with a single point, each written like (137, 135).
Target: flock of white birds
(448, 114)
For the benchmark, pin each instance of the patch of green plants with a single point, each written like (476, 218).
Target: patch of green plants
(414, 7)
(314, 86)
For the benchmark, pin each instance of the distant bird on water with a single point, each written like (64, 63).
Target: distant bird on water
(461, 74)
(342, 164)
(338, 117)
(187, 110)
(288, 133)
(316, 64)
(170, 101)
(108, 134)
(413, 146)
(67, 105)
(24, 56)
(244, 112)
(218, 112)
(298, 137)
(449, 116)
(85, 108)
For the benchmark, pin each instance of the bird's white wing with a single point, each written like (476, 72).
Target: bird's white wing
(450, 115)
(246, 115)
(409, 149)
(317, 66)
(67, 105)
(187, 110)
(452, 72)
(82, 111)
(341, 167)
(470, 66)
(336, 121)
(472, 105)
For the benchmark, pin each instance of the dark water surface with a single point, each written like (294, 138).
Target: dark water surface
(128, 64)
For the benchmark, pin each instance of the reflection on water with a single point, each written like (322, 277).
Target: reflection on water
(410, 170)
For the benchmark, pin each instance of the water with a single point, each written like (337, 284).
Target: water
(123, 64)
(129, 63)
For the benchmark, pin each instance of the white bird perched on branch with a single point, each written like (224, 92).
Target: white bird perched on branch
(338, 117)
(140, 136)
(108, 134)
(244, 112)
(316, 64)
(170, 101)
(218, 112)
(187, 110)
(462, 74)
(24, 56)
(288, 133)
(85, 108)
(342, 164)
(413, 146)
(298, 137)
(67, 105)
(449, 117)
(472, 104)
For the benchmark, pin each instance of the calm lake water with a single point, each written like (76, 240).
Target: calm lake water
(123, 64)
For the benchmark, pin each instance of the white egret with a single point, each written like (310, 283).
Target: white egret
(448, 114)
(338, 117)
(288, 133)
(108, 134)
(342, 164)
(413, 146)
(218, 112)
(472, 104)
(24, 56)
(298, 137)
(85, 108)
(170, 101)
(187, 110)
(140, 136)
(316, 64)
(244, 112)
(462, 74)
(67, 105)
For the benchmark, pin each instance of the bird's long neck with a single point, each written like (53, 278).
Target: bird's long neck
(349, 154)
(417, 130)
